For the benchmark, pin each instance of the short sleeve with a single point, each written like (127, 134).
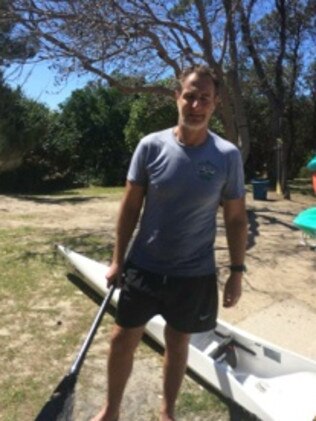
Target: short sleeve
(137, 172)
(234, 187)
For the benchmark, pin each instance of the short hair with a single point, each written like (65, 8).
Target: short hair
(200, 70)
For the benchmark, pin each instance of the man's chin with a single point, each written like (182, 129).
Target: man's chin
(195, 125)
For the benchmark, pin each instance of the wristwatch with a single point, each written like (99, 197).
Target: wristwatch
(238, 268)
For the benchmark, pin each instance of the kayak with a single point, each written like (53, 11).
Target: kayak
(270, 382)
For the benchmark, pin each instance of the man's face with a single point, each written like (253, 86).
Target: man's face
(196, 101)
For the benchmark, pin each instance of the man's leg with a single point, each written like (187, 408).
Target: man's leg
(175, 362)
(120, 363)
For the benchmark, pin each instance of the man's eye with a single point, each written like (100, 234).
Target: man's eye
(192, 98)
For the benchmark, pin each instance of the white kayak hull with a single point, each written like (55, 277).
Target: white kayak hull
(268, 381)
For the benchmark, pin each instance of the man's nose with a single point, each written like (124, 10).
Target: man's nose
(196, 103)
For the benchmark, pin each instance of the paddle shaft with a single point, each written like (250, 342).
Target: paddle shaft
(93, 329)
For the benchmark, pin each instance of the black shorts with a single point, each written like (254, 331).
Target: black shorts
(188, 304)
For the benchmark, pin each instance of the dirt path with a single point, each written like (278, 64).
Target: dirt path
(279, 296)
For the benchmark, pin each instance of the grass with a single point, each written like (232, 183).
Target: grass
(92, 191)
(198, 401)
(44, 318)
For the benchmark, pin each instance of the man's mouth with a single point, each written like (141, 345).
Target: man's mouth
(197, 117)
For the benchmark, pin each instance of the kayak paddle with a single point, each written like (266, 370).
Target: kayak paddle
(60, 405)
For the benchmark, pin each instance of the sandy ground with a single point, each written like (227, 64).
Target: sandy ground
(279, 294)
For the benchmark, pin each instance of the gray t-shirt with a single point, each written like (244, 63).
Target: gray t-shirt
(184, 186)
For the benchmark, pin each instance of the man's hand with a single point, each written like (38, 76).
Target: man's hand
(114, 275)
(232, 290)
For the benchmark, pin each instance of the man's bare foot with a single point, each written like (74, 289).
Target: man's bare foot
(99, 416)
(166, 417)
(104, 416)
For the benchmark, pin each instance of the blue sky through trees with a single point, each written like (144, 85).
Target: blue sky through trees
(38, 82)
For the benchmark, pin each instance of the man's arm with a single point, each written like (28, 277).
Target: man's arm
(235, 218)
(130, 208)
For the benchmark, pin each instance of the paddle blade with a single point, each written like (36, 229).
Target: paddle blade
(61, 403)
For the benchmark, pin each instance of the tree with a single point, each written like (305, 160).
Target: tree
(275, 46)
(311, 85)
(23, 123)
(91, 123)
(154, 39)
(149, 113)
(14, 45)
(19, 128)
(44, 166)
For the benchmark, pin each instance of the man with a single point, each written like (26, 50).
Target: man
(181, 175)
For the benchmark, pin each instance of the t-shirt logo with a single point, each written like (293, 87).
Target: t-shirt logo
(205, 170)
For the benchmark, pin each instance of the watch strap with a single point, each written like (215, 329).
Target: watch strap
(238, 268)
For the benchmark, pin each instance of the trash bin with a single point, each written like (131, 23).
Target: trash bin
(260, 189)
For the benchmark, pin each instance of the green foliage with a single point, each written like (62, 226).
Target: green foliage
(23, 123)
(304, 147)
(45, 166)
(216, 125)
(269, 46)
(149, 113)
(92, 123)
(91, 139)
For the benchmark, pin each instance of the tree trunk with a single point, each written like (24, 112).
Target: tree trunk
(243, 137)
(227, 114)
(275, 95)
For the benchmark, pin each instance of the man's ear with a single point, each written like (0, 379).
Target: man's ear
(177, 94)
